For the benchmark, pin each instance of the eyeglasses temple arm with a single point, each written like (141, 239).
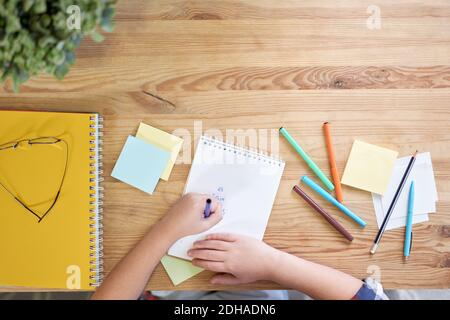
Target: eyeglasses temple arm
(51, 207)
(23, 205)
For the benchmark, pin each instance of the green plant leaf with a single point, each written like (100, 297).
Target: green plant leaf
(23, 76)
(107, 25)
(12, 24)
(70, 57)
(15, 80)
(97, 37)
(27, 4)
(35, 38)
(40, 6)
(61, 71)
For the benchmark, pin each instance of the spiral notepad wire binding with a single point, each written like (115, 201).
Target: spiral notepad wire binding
(96, 196)
(242, 150)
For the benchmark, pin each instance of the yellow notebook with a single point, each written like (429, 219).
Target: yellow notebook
(50, 213)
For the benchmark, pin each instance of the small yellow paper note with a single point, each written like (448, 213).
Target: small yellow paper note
(163, 140)
(369, 167)
(179, 270)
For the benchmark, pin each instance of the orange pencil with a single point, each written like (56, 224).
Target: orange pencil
(333, 168)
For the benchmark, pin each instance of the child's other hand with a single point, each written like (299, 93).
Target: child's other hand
(239, 259)
(186, 216)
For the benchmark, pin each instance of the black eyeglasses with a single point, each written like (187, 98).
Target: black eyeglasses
(37, 142)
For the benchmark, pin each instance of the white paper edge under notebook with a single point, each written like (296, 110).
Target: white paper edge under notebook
(428, 196)
(396, 222)
(266, 165)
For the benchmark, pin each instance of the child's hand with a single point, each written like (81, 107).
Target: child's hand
(186, 216)
(240, 259)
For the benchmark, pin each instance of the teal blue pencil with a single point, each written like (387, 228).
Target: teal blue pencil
(307, 159)
(409, 220)
(333, 201)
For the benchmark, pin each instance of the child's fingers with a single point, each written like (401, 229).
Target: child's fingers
(211, 244)
(225, 279)
(210, 255)
(209, 265)
(222, 236)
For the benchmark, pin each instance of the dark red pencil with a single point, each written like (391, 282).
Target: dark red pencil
(323, 213)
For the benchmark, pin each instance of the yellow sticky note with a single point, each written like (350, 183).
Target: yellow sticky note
(179, 270)
(163, 140)
(369, 167)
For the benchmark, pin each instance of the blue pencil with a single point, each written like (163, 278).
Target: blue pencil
(207, 211)
(333, 201)
(409, 220)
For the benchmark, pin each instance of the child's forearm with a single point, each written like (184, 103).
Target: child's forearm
(129, 277)
(317, 281)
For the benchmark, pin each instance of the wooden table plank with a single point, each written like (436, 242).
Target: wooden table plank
(154, 50)
(268, 9)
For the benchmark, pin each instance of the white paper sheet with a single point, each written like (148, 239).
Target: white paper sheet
(244, 181)
(425, 195)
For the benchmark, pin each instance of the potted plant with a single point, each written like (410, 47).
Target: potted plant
(41, 35)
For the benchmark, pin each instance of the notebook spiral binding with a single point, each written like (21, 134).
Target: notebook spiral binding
(251, 153)
(96, 202)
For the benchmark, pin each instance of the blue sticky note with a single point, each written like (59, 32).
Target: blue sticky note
(140, 164)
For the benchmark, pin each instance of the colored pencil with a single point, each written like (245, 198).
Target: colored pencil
(409, 221)
(332, 160)
(380, 233)
(307, 159)
(207, 211)
(333, 201)
(323, 213)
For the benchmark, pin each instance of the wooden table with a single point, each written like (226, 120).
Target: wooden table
(258, 65)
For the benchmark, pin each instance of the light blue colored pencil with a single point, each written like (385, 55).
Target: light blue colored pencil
(333, 201)
(409, 221)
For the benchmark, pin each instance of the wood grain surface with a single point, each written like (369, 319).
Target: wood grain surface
(251, 64)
